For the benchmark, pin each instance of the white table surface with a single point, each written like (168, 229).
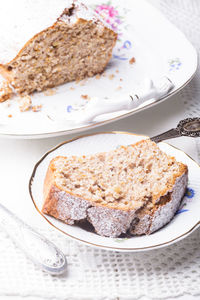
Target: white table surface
(184, 297)
(19, 156)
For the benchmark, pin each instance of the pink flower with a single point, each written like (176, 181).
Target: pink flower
(109, 14)
(111, 11)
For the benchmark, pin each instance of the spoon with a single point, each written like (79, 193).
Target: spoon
(36, 247)
(187, 127)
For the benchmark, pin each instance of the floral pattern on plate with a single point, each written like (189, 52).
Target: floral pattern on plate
(174, 64)
(189, 194)
(110, 15)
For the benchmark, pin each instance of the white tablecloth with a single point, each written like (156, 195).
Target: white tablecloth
(92, 273)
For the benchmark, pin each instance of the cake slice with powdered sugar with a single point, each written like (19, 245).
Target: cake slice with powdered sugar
(135, 189)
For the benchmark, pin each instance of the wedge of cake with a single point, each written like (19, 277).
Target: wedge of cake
(135, 189)
(47, 43)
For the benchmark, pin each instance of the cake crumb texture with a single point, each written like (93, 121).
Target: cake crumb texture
(135, 189)
(73, 44)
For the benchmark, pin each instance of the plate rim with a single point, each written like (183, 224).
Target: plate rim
(147, 248)
(101, 123)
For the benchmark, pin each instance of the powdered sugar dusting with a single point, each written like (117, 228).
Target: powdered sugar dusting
(110, 222)
(149, 223)
(113, 222)
(70, 208)
(165, 213)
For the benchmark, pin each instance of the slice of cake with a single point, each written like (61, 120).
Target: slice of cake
(136, 188)
(47, 43)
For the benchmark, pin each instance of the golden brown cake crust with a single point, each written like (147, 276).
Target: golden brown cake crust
(109, 220)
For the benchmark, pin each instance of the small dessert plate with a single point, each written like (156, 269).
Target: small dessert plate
(149, 48)
(185, 221)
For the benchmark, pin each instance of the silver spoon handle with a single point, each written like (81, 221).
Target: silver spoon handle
(170, 134)
(36, 247)
(187, 127)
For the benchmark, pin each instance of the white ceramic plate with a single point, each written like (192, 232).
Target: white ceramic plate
(159, 48)
(185, 221)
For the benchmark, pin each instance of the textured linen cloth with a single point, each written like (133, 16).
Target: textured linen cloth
(98, 274)
(185, 14)
(95, 274)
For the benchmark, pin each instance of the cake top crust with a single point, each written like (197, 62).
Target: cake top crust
(125, 178)
(22, 19)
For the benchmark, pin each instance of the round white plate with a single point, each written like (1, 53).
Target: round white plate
(159, 48)
(184, 222)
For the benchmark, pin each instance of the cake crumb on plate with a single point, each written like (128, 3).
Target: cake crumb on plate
(98, 76)
(36, 108)
(85, 97)
(25, 103)
(111, 76)
(132, 61)
(118, 88)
